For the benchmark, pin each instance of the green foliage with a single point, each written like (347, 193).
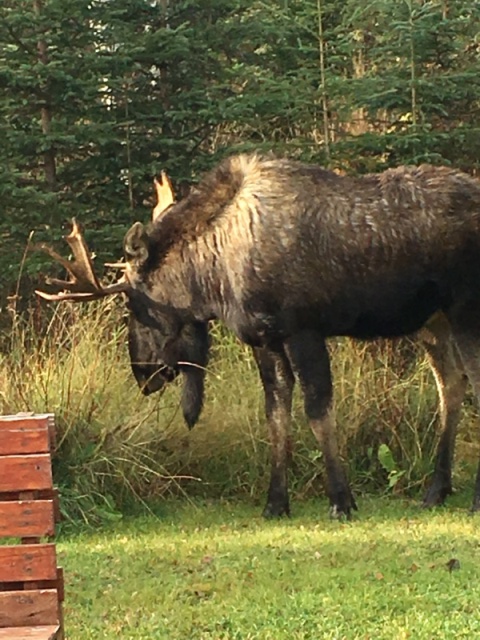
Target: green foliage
(387, 461)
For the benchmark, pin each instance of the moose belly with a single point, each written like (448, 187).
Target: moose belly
(380, 313)
(389, 307)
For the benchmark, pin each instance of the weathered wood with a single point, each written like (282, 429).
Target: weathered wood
(60, 584)
(27, 519)
(23, 420)
(28, 562)
(17, 439)
(29, 608)
(43, 494)
(22, 473)
(50, 632)
(56, 505)
(31, 584)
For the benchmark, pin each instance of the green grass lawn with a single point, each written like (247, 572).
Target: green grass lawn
(219, 571)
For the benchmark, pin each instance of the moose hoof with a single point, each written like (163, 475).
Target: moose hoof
(275, 511)
(342, 509)
(436, 495)
(476, 505)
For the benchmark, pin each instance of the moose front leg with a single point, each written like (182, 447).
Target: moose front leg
(309, 359)
(278, 380)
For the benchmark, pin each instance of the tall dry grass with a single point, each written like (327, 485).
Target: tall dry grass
(118, 449)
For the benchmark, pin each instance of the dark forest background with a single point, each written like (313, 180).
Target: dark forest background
(97, 96)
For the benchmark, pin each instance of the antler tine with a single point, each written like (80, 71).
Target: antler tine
(118, 287)
(84, 284)
(82, 267)
(165, 195)
(117, 265)
(82, 276)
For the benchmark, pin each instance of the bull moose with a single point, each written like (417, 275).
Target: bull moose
(287, 255)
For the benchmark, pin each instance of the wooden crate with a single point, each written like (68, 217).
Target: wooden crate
(31, 583)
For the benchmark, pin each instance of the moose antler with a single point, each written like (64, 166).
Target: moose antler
(164, 193)
(83, 284)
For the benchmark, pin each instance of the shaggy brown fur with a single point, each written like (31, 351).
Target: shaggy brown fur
(198, 212)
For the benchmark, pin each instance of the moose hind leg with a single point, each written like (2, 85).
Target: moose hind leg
(309, 357)
(451, 383)
(466, 334)
(278, 381)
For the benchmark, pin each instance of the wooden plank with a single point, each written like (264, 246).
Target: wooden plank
(60, 584)
(31, 420)
(56, 505)
(27, 519)
(50, 632)
(27, 418)
(29, 608)
(43, 494)
(24, 439)
(29, 472)
(28, 562)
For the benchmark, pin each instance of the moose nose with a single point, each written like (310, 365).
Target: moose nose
(152, 384)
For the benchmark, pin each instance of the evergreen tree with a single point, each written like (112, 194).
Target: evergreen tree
(99, 96)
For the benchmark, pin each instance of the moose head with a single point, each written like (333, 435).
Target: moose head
(160, 347)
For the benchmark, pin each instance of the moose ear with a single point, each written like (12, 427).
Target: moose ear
(135, 245)
(165, 196)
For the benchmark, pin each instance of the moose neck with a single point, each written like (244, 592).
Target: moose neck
(189, 282)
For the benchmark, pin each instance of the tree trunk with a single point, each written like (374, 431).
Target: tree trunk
(413, 78)
(49, 160)
(321, 51)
